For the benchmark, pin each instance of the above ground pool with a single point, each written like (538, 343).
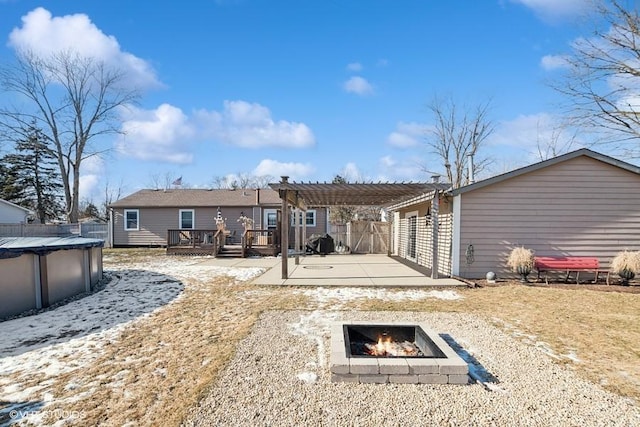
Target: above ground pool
(36, 272)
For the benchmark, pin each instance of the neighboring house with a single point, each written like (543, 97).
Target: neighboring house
(579, 204)
(143, 218)
(11, 213)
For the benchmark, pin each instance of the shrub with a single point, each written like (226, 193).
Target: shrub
(626, 260)
(520, 257)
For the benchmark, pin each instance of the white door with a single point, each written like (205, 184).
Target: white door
(412, 234)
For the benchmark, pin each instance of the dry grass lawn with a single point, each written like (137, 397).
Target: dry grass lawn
(163, 364)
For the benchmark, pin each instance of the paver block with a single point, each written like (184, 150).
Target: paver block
(404, 379)
(454, 367)
(363, 366)
(393, 366)
(458, 379)
(373, 379)
(423, 366)
(433, 379)
(344, 378)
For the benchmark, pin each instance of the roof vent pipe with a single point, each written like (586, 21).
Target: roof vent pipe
(471, 178)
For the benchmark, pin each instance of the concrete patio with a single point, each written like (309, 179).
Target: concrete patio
(338, 270)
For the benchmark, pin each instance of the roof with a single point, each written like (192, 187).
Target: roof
(554, 161)
(11, 247)
(381, 194)
(6, 202)
(193, 198)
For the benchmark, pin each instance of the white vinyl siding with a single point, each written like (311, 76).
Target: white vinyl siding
(187, 219)
(132, 220)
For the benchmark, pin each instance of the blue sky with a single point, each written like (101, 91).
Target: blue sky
(306, 88)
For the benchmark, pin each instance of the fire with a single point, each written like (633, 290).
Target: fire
(387, 347)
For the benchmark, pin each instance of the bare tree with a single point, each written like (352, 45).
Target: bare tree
(111, 194)
(555, 141)
(241, 181)
(602, 79)
(456, 137)
(73, 99)
(162, 181)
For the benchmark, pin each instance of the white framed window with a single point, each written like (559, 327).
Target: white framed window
(131, 220)
(187, 219)
(310, 218)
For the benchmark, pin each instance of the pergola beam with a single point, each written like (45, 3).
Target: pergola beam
(301, 195)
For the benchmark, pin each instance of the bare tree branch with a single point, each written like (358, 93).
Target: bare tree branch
(73, 99)
(457, 135)
(601, 83)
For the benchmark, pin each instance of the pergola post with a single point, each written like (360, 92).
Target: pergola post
(297, 214)
(284, 238)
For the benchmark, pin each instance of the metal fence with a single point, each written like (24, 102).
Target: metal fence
(88, 230)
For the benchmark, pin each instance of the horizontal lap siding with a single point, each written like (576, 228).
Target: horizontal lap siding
(582, 207)
(154, 223)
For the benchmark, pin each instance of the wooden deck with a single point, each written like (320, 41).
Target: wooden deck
(212, 242)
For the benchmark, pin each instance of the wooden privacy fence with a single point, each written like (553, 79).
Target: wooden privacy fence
(362, 237)
(88, 230)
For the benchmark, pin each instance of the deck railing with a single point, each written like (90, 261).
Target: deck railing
(188, 238)
(258, 239)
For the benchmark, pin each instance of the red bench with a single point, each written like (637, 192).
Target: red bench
(568, 264)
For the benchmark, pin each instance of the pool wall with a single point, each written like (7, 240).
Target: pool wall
(37, 276)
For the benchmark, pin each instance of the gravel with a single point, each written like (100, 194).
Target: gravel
(279, 376)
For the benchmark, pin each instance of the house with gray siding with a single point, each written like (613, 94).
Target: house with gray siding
(143, 218)
(579, 204)
(10, 213)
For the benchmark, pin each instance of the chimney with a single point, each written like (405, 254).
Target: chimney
(435, 178)
(471, 178)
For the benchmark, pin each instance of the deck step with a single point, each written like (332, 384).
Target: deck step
(230, 252)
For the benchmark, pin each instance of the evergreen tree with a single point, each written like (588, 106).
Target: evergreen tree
(10, 188)
(35, 177)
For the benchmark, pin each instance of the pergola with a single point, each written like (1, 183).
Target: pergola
(302, 195)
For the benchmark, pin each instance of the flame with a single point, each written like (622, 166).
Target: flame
(383, 347)
(386, 346)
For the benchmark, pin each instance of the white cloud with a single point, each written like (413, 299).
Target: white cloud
(250, 125)
(523, 131)
(43, 34)
(531, 131)
(92, 171)
(358, 85)
(407, 135)
(400, 170)
(295, 171)
(88, 186)
(351, 173)
(160, 134)
(387, 162)
(93, 165)
(166, 133)
(354, 66)
(553, 10)
(554, 62)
